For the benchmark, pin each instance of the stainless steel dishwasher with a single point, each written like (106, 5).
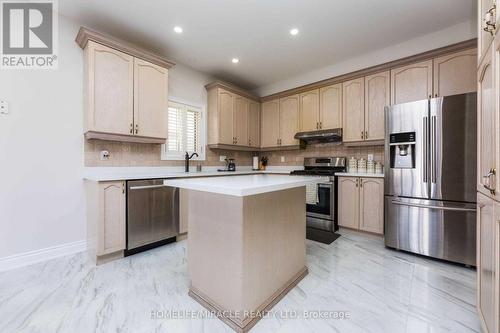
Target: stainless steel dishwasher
(152, 214)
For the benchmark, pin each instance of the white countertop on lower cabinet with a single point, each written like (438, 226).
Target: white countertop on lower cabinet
(357, 174)
(128, 173)
(243, 185)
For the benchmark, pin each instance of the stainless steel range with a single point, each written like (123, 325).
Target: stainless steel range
(322, 211)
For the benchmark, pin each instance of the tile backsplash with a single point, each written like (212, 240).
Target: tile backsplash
(296, 157)
(122, 154)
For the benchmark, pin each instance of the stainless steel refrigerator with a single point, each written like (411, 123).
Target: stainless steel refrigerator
(430, 177)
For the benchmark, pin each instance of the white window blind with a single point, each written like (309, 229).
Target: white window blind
(184, 131)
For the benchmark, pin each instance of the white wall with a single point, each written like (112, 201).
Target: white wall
(42, 202)
(451, 35)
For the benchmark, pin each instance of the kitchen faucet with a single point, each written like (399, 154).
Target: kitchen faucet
(186, 159)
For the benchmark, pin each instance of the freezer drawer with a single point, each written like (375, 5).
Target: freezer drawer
(152, 212)
(439, 229)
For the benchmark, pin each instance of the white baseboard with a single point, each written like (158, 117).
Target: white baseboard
(33, 257)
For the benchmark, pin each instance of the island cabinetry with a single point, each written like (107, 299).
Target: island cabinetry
(125, 90)
(361, 204)
(233, 118)
(106, 217)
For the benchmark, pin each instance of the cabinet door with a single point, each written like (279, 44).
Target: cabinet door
(484, 38)
(226, 121)
(371, 205)
(487, 129)
(240, 121)
(377, 97)
(411, 83)
(254, 124)
(348, 202)
(486, 261)
(270, 120)
(330, 106)
(150, 99)
(289, 120)
(109, 89)
(353, 110)
(112, 217)
(309, 111)
(455, 73)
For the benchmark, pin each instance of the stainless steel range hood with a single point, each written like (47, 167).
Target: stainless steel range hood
(323, 136)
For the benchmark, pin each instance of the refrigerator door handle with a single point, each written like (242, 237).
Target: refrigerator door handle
(433, 149)
(456, 209)
(424, 151)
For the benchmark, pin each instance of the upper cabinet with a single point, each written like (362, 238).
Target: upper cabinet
(254, 124)
(485, 20)
(411, 83)
(377, 97)
(150, 99)
(330, 106)
(233, 117)
(487, 129)
(289, 120)
(353, 107)
(110, 90)
(455, 73)
(240, 118)
(126, 90)
(309, 111)
(270, 124)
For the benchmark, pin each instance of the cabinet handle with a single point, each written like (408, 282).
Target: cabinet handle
(131, 128)
(136, 128)
(356, 182)
(430, 96)
(489, 20)
(487, 181)
(366, 135)
(362, 135)
(360, 183)
(123, 187)
(320, 125)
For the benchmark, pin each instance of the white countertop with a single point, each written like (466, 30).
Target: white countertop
(242, 185)
(357, 174)
(128, 173)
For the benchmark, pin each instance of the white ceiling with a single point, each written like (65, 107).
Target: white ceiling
(257, 32)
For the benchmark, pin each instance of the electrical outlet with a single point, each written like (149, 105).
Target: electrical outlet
(4, 107)
(370, 157)
(104, 155)
(222, 158)
(282, 159)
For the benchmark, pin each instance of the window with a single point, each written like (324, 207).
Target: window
(185, 132)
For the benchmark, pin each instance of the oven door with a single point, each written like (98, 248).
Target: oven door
(321, 214)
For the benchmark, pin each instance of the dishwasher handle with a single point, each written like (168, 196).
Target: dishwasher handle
(146, 187)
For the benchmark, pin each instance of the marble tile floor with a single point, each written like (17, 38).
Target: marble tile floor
(381, 290)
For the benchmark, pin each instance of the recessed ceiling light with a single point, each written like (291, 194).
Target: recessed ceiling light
(178, 29)
(235, 60)
(294, 31)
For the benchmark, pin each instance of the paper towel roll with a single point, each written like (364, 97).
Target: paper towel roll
(255, 164)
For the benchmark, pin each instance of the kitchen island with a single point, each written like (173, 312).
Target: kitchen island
(246, 242)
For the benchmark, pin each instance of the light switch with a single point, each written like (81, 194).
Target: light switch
(222, 158)
(4, 107)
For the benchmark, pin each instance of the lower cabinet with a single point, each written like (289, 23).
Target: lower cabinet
(361, 203)
(488, 262)
(106, 216)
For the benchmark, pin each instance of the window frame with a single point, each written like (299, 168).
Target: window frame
(169, 156)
